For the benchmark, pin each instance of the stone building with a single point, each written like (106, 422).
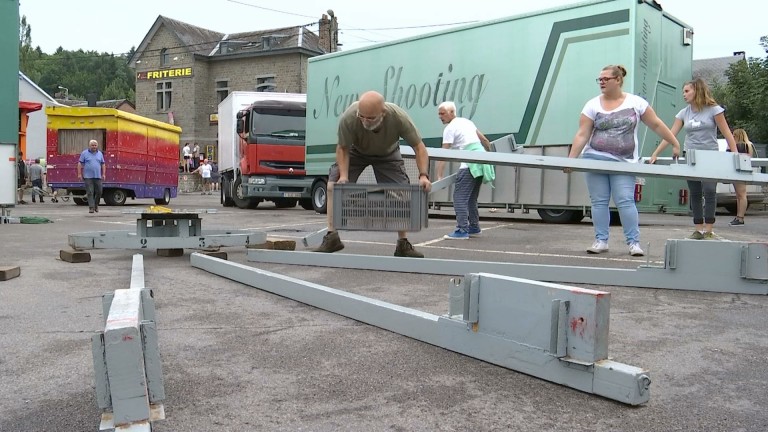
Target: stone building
(184, 71)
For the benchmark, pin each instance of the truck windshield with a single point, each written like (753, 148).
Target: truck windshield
(278, 123)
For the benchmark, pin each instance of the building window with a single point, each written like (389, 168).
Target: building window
(165, 57)
(222, 89)
(164, 93)
(265, 83)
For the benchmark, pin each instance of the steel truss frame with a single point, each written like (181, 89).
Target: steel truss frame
(126, 358)
(166, 231)
(549, 331)
(742, 267)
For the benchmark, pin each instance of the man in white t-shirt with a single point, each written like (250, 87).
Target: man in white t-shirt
(187, 153)
(205, 172)
(462, 134)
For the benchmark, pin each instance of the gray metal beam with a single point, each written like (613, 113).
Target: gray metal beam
(702, 165)
(742, 267)
(125, 361)
(126, 358)
(315, 238)
(130, 240)
(666, 160)
(505, 321)
(443, 183)
(137, 272)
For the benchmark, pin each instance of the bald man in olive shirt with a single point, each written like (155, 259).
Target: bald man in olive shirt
(369, 134)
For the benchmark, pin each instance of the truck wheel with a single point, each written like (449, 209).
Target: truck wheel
(285, 202)
(237, 196)
(731, 209)
(226, 198)
(115, 197)
(306, 204)
(80, 201)
(560, 216)
(165, 199)
(320, 197)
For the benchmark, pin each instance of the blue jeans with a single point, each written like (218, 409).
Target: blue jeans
(622, 187)
(465, 193)
(703, 208)
(93, 191)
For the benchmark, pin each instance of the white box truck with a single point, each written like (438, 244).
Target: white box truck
(261, 149)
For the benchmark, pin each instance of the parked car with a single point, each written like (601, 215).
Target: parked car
(726, 195)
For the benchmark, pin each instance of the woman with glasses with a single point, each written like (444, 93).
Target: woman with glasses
(608, 132)
(701, 119)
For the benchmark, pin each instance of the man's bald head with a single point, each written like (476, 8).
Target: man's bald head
(371, 101)
(371, 109)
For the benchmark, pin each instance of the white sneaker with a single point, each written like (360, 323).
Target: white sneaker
(598, 246)
(635, 250)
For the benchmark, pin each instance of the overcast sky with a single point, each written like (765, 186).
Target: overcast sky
(720, 27)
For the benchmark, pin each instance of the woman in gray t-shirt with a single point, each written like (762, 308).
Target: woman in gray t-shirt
(700, 119)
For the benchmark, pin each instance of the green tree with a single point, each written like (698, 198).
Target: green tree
(81, 72)
(27, 54)
(746, 97)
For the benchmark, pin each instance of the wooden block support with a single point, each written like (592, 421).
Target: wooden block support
(74, 256)
(9, 273)
(215, 254)
(273, 244)
(176, 252)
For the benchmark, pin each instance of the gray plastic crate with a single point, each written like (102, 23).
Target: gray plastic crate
(379, 207)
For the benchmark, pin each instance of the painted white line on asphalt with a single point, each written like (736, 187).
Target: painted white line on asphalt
(115, 223)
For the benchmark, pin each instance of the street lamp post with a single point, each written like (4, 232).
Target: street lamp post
(66, 92)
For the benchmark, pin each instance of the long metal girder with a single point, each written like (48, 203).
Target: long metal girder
(701, 165)
(742, 267)
(130, 240)
(126, 358)
(756, 162)
(554, 332)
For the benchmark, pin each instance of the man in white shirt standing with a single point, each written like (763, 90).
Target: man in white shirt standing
(462, 134)
(205, 172)
(187, 153)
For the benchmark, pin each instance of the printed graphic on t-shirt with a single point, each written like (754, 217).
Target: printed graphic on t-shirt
(614, 133)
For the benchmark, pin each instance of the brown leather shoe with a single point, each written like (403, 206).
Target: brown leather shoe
(331, 243)
(405, 249)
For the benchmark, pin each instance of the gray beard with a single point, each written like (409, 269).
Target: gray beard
(373, 126)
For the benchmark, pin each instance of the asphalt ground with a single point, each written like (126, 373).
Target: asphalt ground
(237, 358)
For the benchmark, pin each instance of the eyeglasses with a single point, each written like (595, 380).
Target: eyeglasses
(602, 80)
(370, 119)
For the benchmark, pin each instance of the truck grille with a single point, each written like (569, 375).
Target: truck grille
(279, 165)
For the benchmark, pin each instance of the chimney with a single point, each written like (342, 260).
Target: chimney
(329, 32)
(91, 98)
